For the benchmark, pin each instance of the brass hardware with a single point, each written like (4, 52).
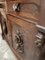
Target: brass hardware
(20, 43)
(16, 7)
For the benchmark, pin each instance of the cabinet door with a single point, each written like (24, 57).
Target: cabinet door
(24, 41)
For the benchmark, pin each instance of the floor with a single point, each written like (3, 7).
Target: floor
(5, 51)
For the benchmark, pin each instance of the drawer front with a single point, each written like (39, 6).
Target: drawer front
(29, 6)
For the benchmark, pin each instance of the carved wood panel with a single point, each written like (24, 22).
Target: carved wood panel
(25, 32)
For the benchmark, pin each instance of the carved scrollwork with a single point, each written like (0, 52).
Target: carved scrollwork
(20, 42)
(16, 7)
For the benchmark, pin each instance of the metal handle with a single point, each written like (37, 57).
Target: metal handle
(16, 7)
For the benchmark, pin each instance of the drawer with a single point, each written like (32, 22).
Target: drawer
(29, 6)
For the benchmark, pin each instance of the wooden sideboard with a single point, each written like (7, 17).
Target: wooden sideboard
(23, 34)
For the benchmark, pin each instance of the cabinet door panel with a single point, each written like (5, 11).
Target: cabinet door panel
(24, 41)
